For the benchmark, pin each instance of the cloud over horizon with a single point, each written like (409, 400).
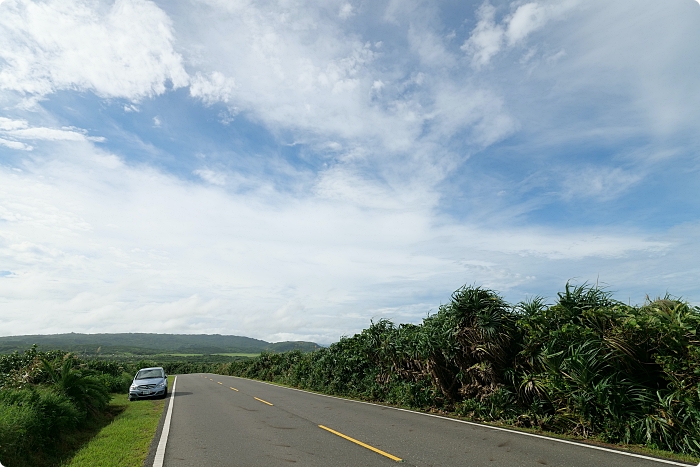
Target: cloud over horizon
(291, 171)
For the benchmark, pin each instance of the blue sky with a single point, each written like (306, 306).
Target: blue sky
(294, 169)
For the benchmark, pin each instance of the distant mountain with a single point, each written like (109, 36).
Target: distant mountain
(149, 344)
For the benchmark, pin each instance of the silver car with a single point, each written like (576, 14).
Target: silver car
(149, 382)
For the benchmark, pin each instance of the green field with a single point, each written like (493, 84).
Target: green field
(178, 355)
(238, 354)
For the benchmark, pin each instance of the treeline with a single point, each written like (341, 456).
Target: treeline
(588, 365)
(184, 366)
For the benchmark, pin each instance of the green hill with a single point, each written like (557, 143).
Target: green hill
(149, 344)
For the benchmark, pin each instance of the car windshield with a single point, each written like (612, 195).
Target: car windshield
(154, 373)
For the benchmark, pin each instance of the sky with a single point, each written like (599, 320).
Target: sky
(293, 169)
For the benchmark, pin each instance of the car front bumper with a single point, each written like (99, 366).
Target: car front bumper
(145, 393)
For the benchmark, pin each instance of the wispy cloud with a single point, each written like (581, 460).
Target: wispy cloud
(20, 129)
(604, 183)
(490, 36)
(15, 145)
(211, 176)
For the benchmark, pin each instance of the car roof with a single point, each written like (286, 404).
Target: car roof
(152, 368)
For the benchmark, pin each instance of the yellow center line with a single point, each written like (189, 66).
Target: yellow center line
(371, 448)
(235, 389)
(264, 402)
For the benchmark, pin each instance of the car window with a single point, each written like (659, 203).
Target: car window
(143, 374)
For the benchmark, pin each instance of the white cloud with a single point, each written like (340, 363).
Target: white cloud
(96, 244)
(8, 124)
(486, 39)
(15, 145)
(525, 20)
(20, 129)
(300, 69)
(125, 50)
(489, 37)
(49, 134)
(214, 88)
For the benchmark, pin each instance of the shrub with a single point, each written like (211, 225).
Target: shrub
(85, 390)
(33, 419)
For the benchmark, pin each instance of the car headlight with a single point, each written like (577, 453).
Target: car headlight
(132, 387)
(161, 384)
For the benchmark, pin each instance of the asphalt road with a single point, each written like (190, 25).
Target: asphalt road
(222, 421)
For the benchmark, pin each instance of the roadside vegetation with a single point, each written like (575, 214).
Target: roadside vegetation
(50, 403)
(587, 366)
(60, 410)
(57, 409)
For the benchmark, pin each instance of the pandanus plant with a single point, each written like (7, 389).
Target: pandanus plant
(88, 393)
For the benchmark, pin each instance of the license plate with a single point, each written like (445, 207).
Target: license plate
(145, 393)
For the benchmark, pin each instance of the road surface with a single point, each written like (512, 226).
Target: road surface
(222, 421)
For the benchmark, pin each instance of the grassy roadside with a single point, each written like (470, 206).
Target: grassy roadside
(125, 441)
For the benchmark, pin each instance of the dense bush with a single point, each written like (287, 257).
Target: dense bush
(44, 396)
(83, 387)
(30, 418)
(587, 365)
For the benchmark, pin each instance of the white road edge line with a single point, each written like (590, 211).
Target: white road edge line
(564, 441)
(160, 452)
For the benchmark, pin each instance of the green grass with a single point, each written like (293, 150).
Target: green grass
(177, 355)
(125, 441)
